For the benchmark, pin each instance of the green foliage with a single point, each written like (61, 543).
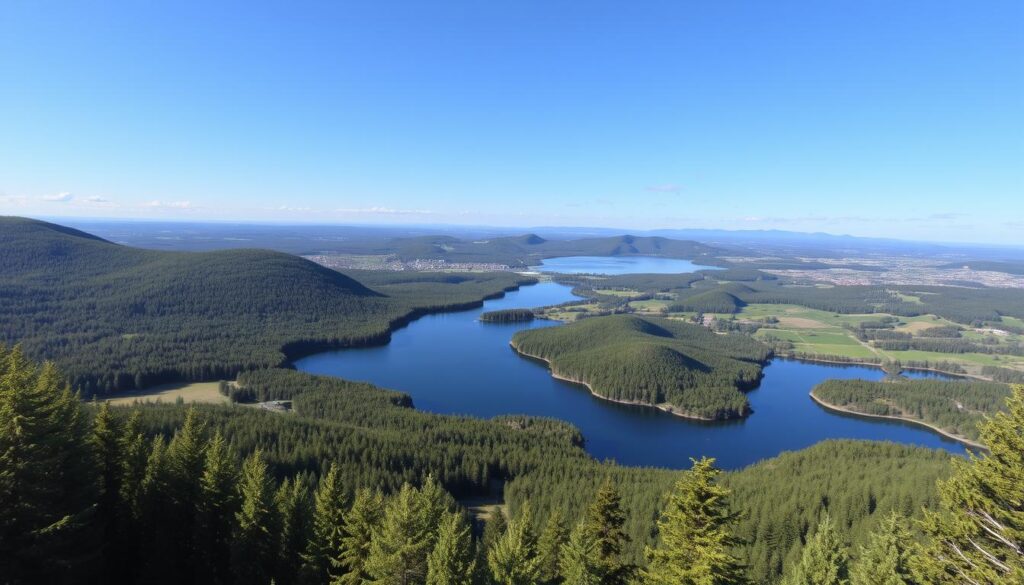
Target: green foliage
(399, 549)
(452, 561)
(217, 507)
(48, 483)
(294, 510)
(605, 519)
(886, 558)
(513, 558)
(325, 545)
(977, 534)
(507, 316)
(253, 549)
(361, 521)
(653, 361)
(956, 407)
(714, 301)
(549, 546)
(579, 561)
(694, 539)
(824, 560)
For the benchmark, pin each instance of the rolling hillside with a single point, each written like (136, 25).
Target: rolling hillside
(116, 318)
(679, 367)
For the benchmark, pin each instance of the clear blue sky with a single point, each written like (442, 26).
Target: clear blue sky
(901, 119)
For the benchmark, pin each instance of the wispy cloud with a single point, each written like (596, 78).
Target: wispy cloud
(169, 204)
(947, 215)
(62, 197)
(97, 199)
(383, 211)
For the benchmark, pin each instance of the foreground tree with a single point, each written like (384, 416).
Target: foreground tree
(48, 485)
(253, 552)
(605, 520)
(885, 560)
(399, 549)
(218, 505)
(513, 560)
(452, 561)
(324, 548)
(694, 538)
(977, 536)
(549, 547)
(824, 560)
(360, 523)
(578, 562)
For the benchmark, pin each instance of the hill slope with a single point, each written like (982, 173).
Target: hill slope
(679, 367)
(115, 317)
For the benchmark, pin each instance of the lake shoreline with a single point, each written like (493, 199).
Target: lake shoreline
(963, 440)
(664, 408)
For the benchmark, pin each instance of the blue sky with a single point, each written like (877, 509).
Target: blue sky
(880, 118)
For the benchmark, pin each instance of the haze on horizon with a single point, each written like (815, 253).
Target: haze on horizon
(870, 119)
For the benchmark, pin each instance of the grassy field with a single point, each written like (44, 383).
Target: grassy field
(203, 392)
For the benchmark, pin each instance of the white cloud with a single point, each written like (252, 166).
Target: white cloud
(97, 199)
(62, 197)
(384, 211)
(169, 204)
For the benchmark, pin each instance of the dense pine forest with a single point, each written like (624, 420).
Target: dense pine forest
(955, 407)
(116, 318)
(653, 361)
(96, 494)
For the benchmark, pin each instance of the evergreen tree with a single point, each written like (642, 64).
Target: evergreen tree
(452, 561)
(886, 559)
(694, 538)
(399, 548)
(294, 511)
(254, 548)
(824, 560)
(324, 548)
(186, 456)
(494, 528)
(579, 562)
(513, 560)
(549, 546)
(605, 519)
(218, 505)
(107, 443)
(48, 483)
(362, 519)
(134, 456)
(977, 536)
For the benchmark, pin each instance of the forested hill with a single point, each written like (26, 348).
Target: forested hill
(956, 407)
(678, 366)
(115, 317)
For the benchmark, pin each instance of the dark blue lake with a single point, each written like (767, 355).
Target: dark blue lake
(452, 363)
(619, 265)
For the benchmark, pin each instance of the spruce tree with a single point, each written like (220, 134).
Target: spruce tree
(361, 520)
(549, 546)
(452, 561)
(605, 519)
(977, 535)
(107, 443)
(218, 505)
(48, 480)
(579, 562)
(513, 559)
(399, 549)
(186, 455)
(295, 516)
(254, 548)
(324, 548)
(494, 528)
(886, 558)
(824, 560)
(694, 538)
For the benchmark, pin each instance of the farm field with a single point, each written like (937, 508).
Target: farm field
(199, 392)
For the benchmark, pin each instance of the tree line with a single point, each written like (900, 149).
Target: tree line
(93, 499)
